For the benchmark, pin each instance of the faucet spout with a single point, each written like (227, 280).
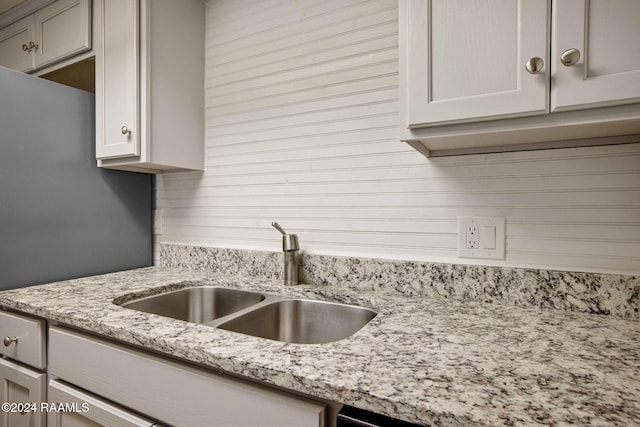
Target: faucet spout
(291, 248)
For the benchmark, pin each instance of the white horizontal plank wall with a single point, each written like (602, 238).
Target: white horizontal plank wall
(302, 128)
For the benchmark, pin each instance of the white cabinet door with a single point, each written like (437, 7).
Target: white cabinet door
(149, 85)
(466, 60)
(62, 30)
(21, 385)
(87, 410)
(117, 81)
(56, 32)
(607, 35)
(12, 40)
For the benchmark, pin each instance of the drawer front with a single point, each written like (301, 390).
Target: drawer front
(23, 339)
(173, 393)
(91, 410)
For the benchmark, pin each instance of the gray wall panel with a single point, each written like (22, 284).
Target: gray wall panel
(60, 216)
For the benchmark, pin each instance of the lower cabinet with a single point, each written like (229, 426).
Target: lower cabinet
(169, 391)
(97, 382)
(24, 390)
(70, 407)
(22, 363)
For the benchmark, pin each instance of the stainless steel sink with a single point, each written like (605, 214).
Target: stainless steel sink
(274, 317)
(199, 304)
(301, 321)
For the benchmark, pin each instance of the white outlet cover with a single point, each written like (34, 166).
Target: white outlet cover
(492, 248)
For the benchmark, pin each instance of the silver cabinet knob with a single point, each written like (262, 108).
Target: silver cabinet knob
(125, 130)
(570, 57)
(534, 65)
(8, 341)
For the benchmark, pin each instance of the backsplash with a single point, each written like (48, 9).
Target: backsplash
(572, 291)
(302, 128)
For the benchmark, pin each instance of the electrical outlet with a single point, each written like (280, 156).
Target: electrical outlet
(481, 237)
(472, 236)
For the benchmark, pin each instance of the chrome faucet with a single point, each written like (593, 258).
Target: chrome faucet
(291, 249)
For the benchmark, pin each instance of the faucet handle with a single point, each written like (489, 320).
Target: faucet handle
(277, 227)
(289, 241)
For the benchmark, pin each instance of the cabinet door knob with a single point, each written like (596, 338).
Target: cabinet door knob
(8, 340)
(125, 130)
(570, 57)
(534, 65)
(30, 47)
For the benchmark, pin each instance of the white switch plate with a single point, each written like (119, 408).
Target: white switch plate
(157, 221)
(481, 237)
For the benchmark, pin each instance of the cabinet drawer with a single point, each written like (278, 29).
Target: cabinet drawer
(91, 410)
(171, 392)
(28, 345)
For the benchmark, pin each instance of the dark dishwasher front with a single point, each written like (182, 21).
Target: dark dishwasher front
(354, 417)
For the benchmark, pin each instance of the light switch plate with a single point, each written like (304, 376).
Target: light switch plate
(157, 222)
(481, 237)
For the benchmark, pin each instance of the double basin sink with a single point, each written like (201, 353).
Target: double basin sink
(292, 320)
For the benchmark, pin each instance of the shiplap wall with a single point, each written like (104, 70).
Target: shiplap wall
(302, 128)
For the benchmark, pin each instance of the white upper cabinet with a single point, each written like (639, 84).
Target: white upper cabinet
(468, 63)
(600, 41)
(56, 32)
(150, 85)
(12, 39)
(499, 75)
(117, 81)
(62, 29)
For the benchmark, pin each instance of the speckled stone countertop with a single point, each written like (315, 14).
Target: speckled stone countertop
(425, 360)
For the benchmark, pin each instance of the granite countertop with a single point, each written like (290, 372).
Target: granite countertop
(424, 360)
